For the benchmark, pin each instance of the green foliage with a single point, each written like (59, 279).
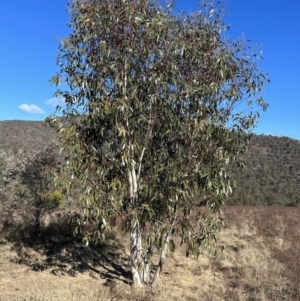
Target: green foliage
(151, 121)
(50, 200)
(271, 166)
(37, 176)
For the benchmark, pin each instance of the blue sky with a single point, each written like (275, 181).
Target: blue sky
(30, 31)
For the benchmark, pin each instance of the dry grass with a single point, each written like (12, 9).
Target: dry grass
(259, 262)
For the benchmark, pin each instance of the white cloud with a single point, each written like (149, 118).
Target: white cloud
(55, 101)
(31, 109)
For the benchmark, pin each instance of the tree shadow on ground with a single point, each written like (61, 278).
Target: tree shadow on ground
(56, 250)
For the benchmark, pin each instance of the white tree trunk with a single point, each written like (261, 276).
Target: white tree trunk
(146, 273)
(163, 254)
(135, 255)
(136, 259)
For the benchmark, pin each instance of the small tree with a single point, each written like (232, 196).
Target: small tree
(151, 121)
(11, 190)
(37, 177)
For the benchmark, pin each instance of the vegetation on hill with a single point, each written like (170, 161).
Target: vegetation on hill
(19, 137)
(271, 175)
(29, 157)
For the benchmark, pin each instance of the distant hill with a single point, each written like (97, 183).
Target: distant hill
(26, 135)
(272, 175)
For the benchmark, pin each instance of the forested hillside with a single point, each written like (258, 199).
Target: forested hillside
(272, 174)
(29, 136)
(28, 152)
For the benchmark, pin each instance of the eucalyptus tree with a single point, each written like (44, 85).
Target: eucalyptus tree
(151, 121)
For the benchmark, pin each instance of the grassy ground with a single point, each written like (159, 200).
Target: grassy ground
(260, 261)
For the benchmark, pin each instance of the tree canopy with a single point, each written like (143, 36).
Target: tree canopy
(151, 121)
